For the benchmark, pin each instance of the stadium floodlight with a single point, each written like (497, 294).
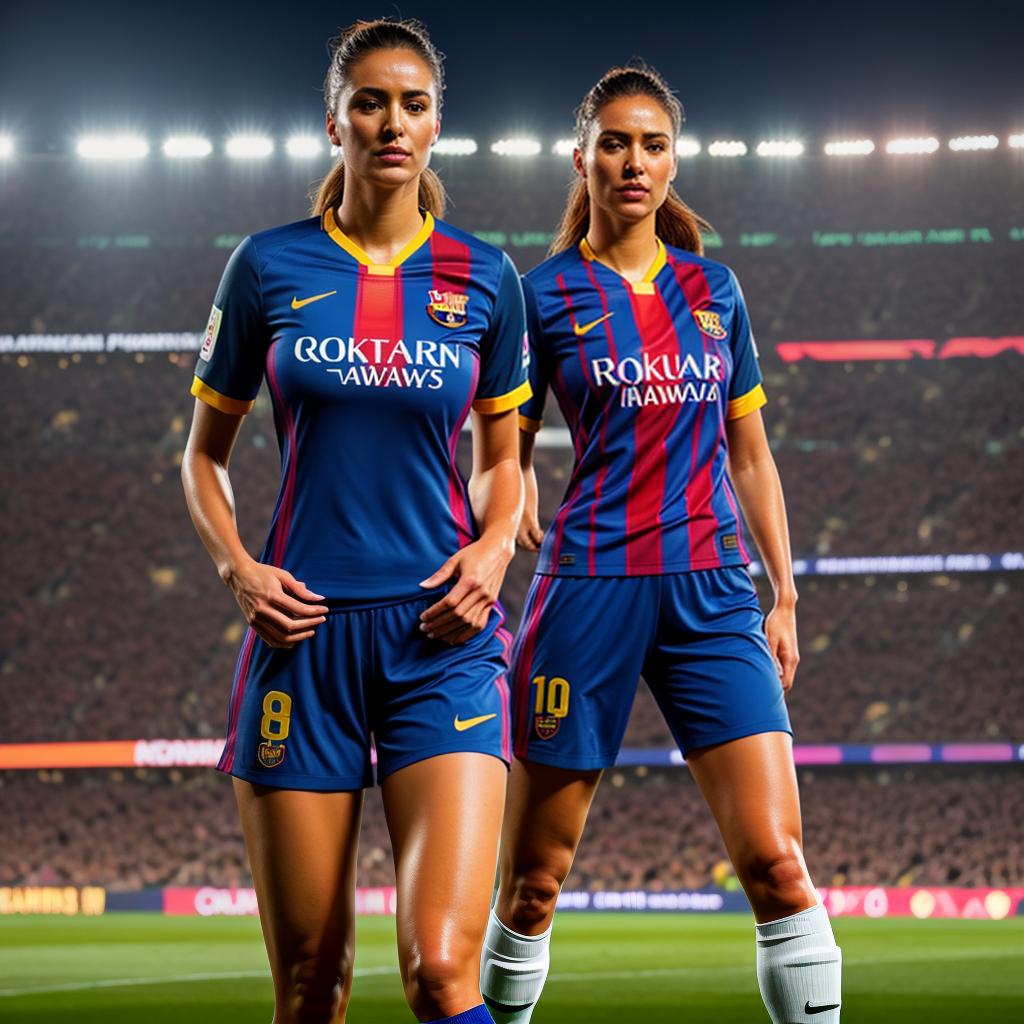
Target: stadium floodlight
(849, 147)
(687, 147)
(6, 147)
(187, 146)
(1015, 142)
(303, 146)
(964, 143)
(564, 147)
(111, 147)
(780, 147)
(904, 147)
(249, 147)
(727, 147)
(516, 147)
(456, 147)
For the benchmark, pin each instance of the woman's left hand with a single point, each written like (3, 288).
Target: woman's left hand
(780, 629)
(463, 612)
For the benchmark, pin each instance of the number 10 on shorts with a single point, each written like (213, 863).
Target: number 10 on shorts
(551, 704)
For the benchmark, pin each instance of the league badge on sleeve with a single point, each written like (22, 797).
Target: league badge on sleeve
(212, 330)
(447, 308)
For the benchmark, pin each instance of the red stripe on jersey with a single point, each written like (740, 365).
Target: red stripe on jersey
(227, 758)
(523, 656)
(451, 268)
(564, 289)
(646, 493)
(602, 471)
(457, 499)
(702, 523)
(379, 318)
(283, 522)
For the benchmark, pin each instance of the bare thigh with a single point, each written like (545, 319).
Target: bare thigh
(302, 850)
(750, 785)
(545, 815)
(444, 814)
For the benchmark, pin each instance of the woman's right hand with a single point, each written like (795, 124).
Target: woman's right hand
(280, 619)
(530, 534)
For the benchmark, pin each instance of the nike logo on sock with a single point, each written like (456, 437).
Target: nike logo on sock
(820, 1008)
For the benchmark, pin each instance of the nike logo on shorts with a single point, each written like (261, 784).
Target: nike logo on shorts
(461, 725)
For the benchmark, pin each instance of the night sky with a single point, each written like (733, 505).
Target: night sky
(749, 69)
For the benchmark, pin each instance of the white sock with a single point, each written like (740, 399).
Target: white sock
(513, 968)
(799, 967)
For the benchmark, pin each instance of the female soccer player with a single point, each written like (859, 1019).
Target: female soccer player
(372, 607)
(648, 348)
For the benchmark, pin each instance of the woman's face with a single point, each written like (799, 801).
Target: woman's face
(386, 119)
(630, 158)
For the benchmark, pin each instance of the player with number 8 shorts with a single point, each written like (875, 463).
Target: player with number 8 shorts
(372, 607)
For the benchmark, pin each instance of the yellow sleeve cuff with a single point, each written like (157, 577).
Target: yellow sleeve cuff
(502, 403)
(747, 403)
(528, 425)
(236, 406)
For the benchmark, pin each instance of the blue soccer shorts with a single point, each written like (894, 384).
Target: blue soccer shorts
(696, 637)
(302, 717)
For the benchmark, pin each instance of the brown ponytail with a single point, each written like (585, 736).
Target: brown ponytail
(350, 46)
(675, 224)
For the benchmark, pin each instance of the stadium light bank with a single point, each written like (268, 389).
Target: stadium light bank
(303, 147)
(249, 147)
(456, 147)
(780, 148)
(6, 147)
(727, 148)
(516, 147)
(967, 143)
(912, 146)
(111, 147)
(187, 147)
(849, 147)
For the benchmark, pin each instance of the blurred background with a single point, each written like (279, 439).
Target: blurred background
(874, 214)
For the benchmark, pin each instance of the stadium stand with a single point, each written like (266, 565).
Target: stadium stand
(113, 624)
(648, 829)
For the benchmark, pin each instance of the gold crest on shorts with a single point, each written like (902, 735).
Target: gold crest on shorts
(710, 323)
(447, 308)
(546, 725)
(271, 756)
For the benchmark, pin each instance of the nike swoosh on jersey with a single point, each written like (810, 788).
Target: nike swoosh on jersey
(580, 329)
(298, 303)
(468, 723)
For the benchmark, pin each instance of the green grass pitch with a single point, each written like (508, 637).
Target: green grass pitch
(655, 969)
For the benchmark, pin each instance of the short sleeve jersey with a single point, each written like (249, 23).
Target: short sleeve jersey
(372, 370)
(646, 374)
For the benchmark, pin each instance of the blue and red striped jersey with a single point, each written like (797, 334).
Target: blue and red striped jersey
(646, 374)
(372, 371)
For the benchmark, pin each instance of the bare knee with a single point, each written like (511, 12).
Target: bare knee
(532, 894)
(438, 982)
(314, 990)
(777, 881)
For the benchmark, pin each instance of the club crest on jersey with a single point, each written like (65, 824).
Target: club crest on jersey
(447, 308)
(210, 337)
(546, 725)
(710, 323)
(271, 756)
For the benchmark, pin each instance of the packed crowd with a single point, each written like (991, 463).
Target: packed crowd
(141, 248)
(114, 624)
(648, 829)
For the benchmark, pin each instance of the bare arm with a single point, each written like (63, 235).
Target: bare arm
(496, 497)
(756, 481)
(277, 616)
(530, 533)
